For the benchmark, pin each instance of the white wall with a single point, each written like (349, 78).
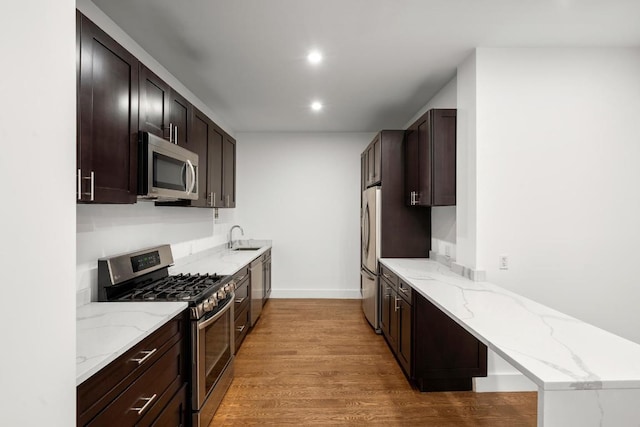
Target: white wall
(37, 247)
(302, 190)
(466, 231)
(443, 218)
(104, 230)
(558, 149)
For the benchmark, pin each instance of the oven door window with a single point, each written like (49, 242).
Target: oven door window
(217, 349)
(169, 173)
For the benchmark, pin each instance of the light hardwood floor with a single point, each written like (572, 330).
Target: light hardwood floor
(319, 362)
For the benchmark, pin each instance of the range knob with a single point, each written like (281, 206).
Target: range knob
(206, 306)
(221, 294)
(228, 287)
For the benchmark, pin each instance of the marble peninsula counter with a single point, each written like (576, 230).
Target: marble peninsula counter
(585, 375)
(105, 330)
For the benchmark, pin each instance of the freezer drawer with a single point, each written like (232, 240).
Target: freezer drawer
(370, 301)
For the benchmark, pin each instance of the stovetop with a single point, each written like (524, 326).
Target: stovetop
(191, 288)
(144, 276)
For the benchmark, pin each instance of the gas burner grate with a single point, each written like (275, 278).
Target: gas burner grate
(181, 287)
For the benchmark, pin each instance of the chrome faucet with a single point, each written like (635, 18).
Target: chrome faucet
(230, 243)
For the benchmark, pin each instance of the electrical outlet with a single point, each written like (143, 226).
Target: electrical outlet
(447, 251)
(504, 262)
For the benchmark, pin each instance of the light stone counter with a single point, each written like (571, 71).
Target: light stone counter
(105, 330)
(221, 261)
(585, 375)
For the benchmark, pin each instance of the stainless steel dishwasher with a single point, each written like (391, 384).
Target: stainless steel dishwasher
(257, 289)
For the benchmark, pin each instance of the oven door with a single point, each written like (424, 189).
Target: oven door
(213, 361)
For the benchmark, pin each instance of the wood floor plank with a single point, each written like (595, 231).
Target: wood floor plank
(318, 362)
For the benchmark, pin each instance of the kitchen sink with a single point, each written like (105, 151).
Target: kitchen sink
(245, 249)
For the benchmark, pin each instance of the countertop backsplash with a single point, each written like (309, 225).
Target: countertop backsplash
(105, 230)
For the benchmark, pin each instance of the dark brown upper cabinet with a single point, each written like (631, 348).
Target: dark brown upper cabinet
(107, 112)
(163, 111)
(229, 171)
(215, 163)
(430, 159)
(372, 163)
(217, 155)
(199, 142)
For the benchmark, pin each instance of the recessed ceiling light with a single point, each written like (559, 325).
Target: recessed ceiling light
(314, 57)
(316, 106)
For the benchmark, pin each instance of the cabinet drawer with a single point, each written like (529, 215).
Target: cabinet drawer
(241, 325)
(162, 379)
(175, 413)
(95, 393)
(388, 275)
(241, 275)
(404, 291)
(242, 297)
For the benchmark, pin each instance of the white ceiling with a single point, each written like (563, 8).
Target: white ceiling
(384, 59)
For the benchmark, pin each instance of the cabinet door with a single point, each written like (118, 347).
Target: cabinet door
(412, 166)
(108, 119)
(392, 338)
(364, 168)
(199, 144)
(377, 160)
(444, 158)
(229, 171)
(386, 307)
(404, 335)
(215, 167)
(154, 103)
(446, 356)
(179, 119)
(424, 163)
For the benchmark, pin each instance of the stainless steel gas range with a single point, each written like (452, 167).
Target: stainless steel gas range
(143, 276)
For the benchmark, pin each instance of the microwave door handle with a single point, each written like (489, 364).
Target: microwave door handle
(193, 175)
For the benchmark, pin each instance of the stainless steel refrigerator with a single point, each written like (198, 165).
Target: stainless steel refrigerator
(370, 242)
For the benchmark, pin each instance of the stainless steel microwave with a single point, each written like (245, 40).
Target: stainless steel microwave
(166, 171)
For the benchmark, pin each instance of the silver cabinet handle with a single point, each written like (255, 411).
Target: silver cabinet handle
(79, 184)
(93, 185)
(141, 409)
(170, 132)
(147, 354)
(413, 198)
(397, 307)
(240, 300)
(193, 175)
(240, 328)
(210, 195)
(175, 134)
(227, 205)
(386, 275)
(403, 290)
(213, 200)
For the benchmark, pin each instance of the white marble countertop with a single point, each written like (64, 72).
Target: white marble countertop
(556, 351)
(220, 260)
(105, 330)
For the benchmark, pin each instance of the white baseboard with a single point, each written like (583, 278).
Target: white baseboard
(503, 382)
(317, 293)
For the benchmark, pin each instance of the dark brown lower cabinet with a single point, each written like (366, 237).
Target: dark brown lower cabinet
(396, 321)
(446, 356)
(145, 386)
(242, 314)
(435, 353)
